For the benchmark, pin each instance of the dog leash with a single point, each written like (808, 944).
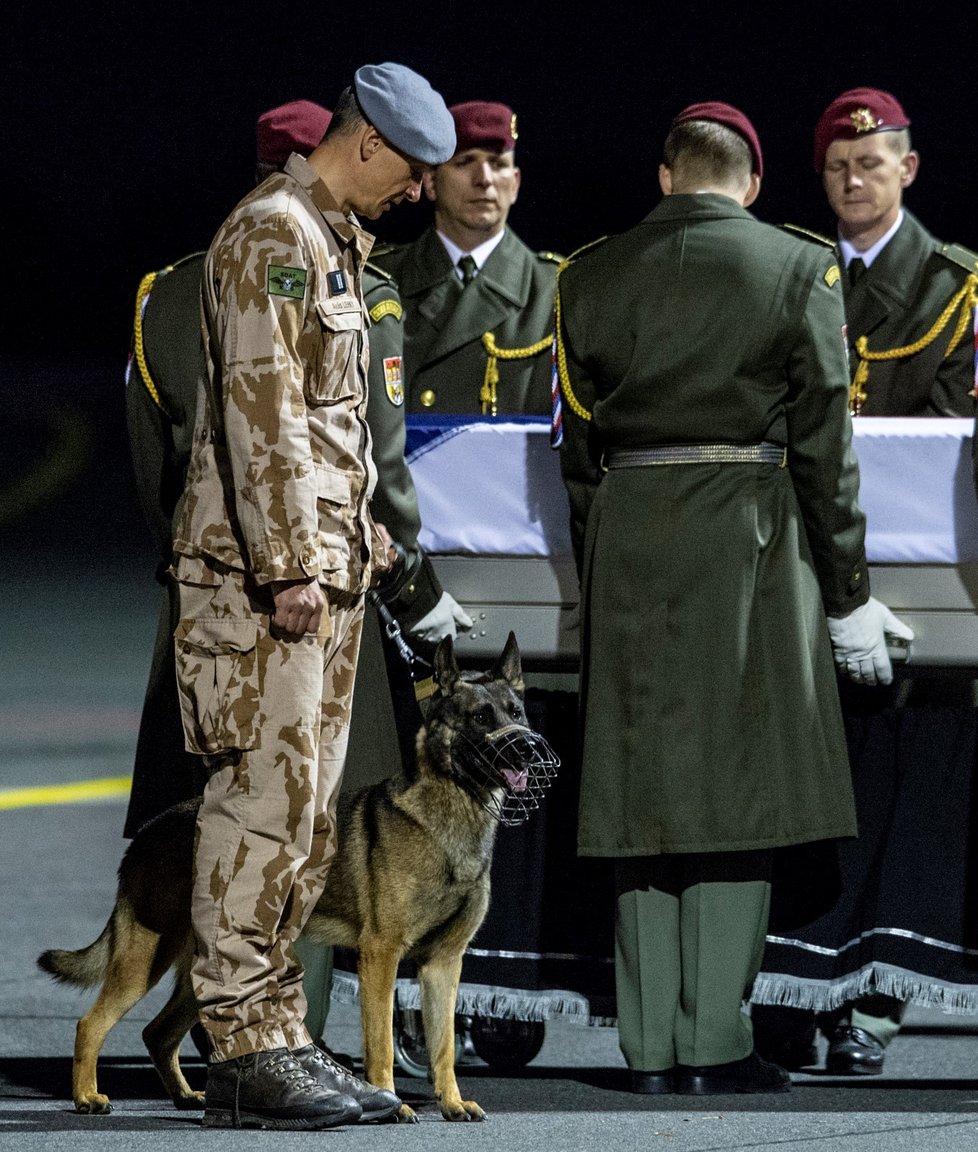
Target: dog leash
(424, 685)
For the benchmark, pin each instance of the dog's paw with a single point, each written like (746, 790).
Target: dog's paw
(463, 1110)
(94, 1104)
(406, 1115)
(191, 1102)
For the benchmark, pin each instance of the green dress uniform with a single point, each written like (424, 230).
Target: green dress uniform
(165, 368)
(445, 345)
(712, 729)
(374, 748)
(901, 364)
(896, 304)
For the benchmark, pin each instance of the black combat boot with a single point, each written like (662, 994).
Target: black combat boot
(272, 1090)
(375, 1103)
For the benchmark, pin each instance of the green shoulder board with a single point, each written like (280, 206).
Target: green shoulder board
(187, 259)
(551, 257)
(386, 249)
(961, 256)
(808, 234)
(379, 272)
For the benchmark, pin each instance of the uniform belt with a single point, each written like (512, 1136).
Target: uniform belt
(763, 453)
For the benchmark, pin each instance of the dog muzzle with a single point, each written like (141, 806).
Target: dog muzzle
(508, 771)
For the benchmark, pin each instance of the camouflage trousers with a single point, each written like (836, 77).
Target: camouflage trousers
(272, 718)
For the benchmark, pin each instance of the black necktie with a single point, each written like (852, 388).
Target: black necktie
(856, 269)
(467, 267)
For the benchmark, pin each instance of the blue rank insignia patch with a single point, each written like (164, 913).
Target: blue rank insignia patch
(336, 282)
(393, 380)
(286, 281)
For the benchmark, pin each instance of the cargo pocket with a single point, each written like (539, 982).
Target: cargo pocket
(217, 677)
(335, 503)
(341, 323)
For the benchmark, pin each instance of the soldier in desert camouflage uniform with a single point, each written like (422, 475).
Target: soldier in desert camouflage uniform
(273, 550)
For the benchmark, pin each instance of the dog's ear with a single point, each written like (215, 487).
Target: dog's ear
(445, 665)
(508, 666)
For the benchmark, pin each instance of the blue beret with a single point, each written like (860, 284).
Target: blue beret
(405, 109)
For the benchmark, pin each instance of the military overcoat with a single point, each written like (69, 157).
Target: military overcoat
(512, 297)
(165, 369)
(711, 713)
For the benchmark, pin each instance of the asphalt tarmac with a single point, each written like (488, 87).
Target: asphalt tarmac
(78, 615)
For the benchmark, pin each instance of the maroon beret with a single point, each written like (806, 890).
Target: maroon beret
(295, 127)
(855, 113)
(733, 118)
(482, 124)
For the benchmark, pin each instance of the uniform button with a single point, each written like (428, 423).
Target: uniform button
(307, 558)
(427, 397)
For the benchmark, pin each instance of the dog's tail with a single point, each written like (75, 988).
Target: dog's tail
(84, 968)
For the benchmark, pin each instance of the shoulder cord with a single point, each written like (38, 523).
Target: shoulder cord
(487, 393)
(966, 299)
(561, 357)
(145, 286)
(560, 353)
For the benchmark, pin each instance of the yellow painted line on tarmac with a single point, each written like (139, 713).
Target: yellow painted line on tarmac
(77, 793)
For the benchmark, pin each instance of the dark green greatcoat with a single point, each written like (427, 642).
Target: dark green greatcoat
(893, 304)
(512, 297)
(161, 429)
(711, 710)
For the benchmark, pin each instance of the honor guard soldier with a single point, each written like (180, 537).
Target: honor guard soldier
(909, 297)
(910, 316)
(713, 490)
(478, 303)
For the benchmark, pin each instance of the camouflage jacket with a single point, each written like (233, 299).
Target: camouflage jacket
(280, 472)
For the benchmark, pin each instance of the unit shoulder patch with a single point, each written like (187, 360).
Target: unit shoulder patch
(386, 308)
(832, 275)
(808, 234)
(286, 281)
(394, 380)
(963, 257)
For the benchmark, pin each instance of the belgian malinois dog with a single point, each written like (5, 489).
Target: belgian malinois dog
(410, 881)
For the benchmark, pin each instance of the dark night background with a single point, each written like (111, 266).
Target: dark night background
(128, 134)
(129, 128)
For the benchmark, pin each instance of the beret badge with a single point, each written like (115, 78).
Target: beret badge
(864, 121)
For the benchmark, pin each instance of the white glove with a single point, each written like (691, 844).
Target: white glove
(859, 642)
(443, 620)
